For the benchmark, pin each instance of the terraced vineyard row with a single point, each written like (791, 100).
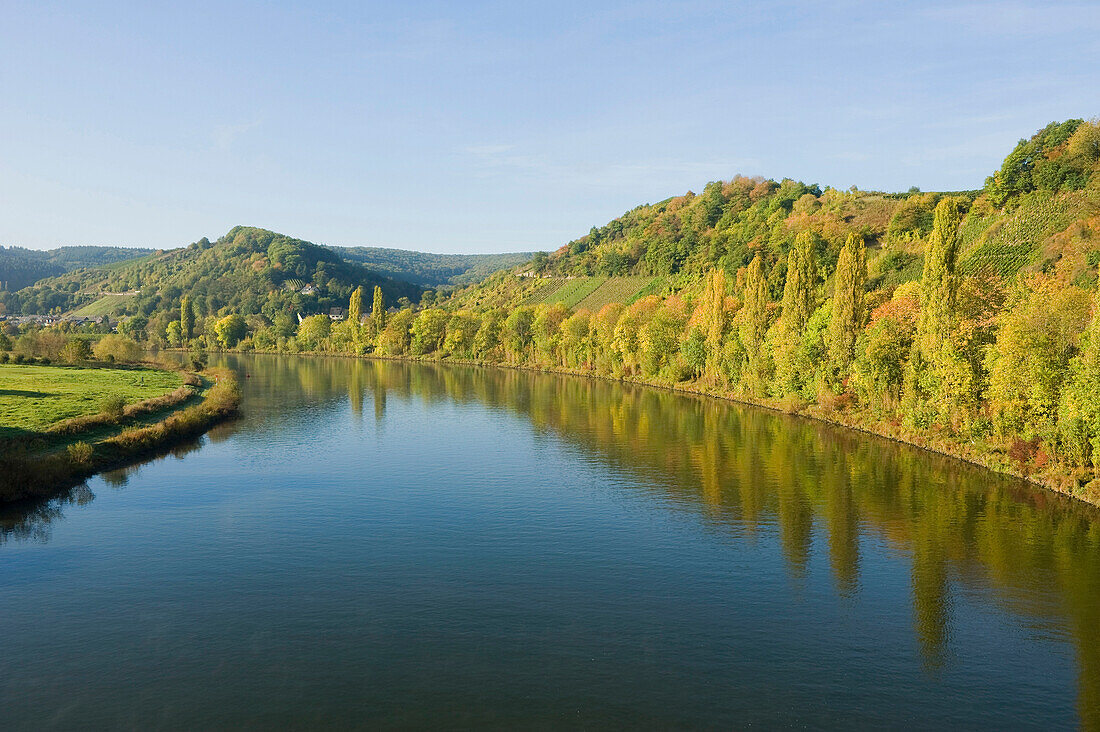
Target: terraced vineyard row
(592, 293)
(619, 289)
(1006, 248)
(573, 291)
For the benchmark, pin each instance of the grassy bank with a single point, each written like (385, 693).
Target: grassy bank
(38, 464)
(35, 398)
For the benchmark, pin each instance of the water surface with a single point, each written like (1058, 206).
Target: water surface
(400, 545)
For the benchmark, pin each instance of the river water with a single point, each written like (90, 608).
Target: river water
(383, 544)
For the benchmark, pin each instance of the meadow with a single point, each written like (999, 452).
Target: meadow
(34, 397)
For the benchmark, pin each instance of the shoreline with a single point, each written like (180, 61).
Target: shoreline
(27, 474)
(813, 411)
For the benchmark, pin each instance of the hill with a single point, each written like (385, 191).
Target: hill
(248, 271)
(1036, 214)
(432, 270)
(21, 267)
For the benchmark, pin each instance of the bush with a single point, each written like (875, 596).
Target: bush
(80, 453)
(113, 406)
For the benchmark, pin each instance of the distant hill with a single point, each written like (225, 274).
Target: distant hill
(247, 271)
(432, 270)
(20, 267)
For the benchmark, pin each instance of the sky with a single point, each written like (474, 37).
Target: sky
(500, 126)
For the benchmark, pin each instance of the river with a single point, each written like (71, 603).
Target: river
(402, 545)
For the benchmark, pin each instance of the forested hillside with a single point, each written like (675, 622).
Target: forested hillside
(21, 267)
(432, 270)
(249, 272)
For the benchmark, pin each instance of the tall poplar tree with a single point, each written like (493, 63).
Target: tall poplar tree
(187, 318)
(355, 307)
(798, 290)
(378, 311)
(939, 286)
(798, 305)
(847, 312)
(712, 320)
(935, 376)
(754, 324)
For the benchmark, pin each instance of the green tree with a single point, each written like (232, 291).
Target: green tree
(355, 307)
(1036, 338)
(753, 325)
(798, 305)
(313, 331)
(174, 333)
(187, 318)
(846, 321)
(76, 350)
(487, 340)
(1079, 410)
(938, 379)
(428, 331)
(518, 332)
(231, 330)
(378, 310)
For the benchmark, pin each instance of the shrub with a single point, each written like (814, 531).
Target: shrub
(80, 453)
(113, 406)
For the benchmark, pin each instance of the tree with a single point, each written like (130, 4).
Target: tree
(709, 320)
(847, 313)
(798, 305)
(939, 285)
(1079, 410)
(117, 349)
(378, 310)
(313, 331)
(1036, 338)
(428, 331)
(753, 324)
(518, 331)
(174, 333)
(394, 339)
(576, 341)
(187, 318)
(462, 329)
(230, 330)
(76, 350)
(355, 307)
(937, 375)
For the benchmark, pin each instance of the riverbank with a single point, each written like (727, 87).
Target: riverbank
(1016, 458)
(40, 464)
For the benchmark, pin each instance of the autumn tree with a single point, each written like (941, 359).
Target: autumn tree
(710, 322)
(846, 320)
(230, 330)
(378, 311)
(1079, 410)
(753, 325)
(938, 378)
(798, 305)
(1029, 363)
(355, 307)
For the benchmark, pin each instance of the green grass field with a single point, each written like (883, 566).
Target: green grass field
(34, 397)
(105, 305)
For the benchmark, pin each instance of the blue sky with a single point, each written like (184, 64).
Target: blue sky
(478, 127)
